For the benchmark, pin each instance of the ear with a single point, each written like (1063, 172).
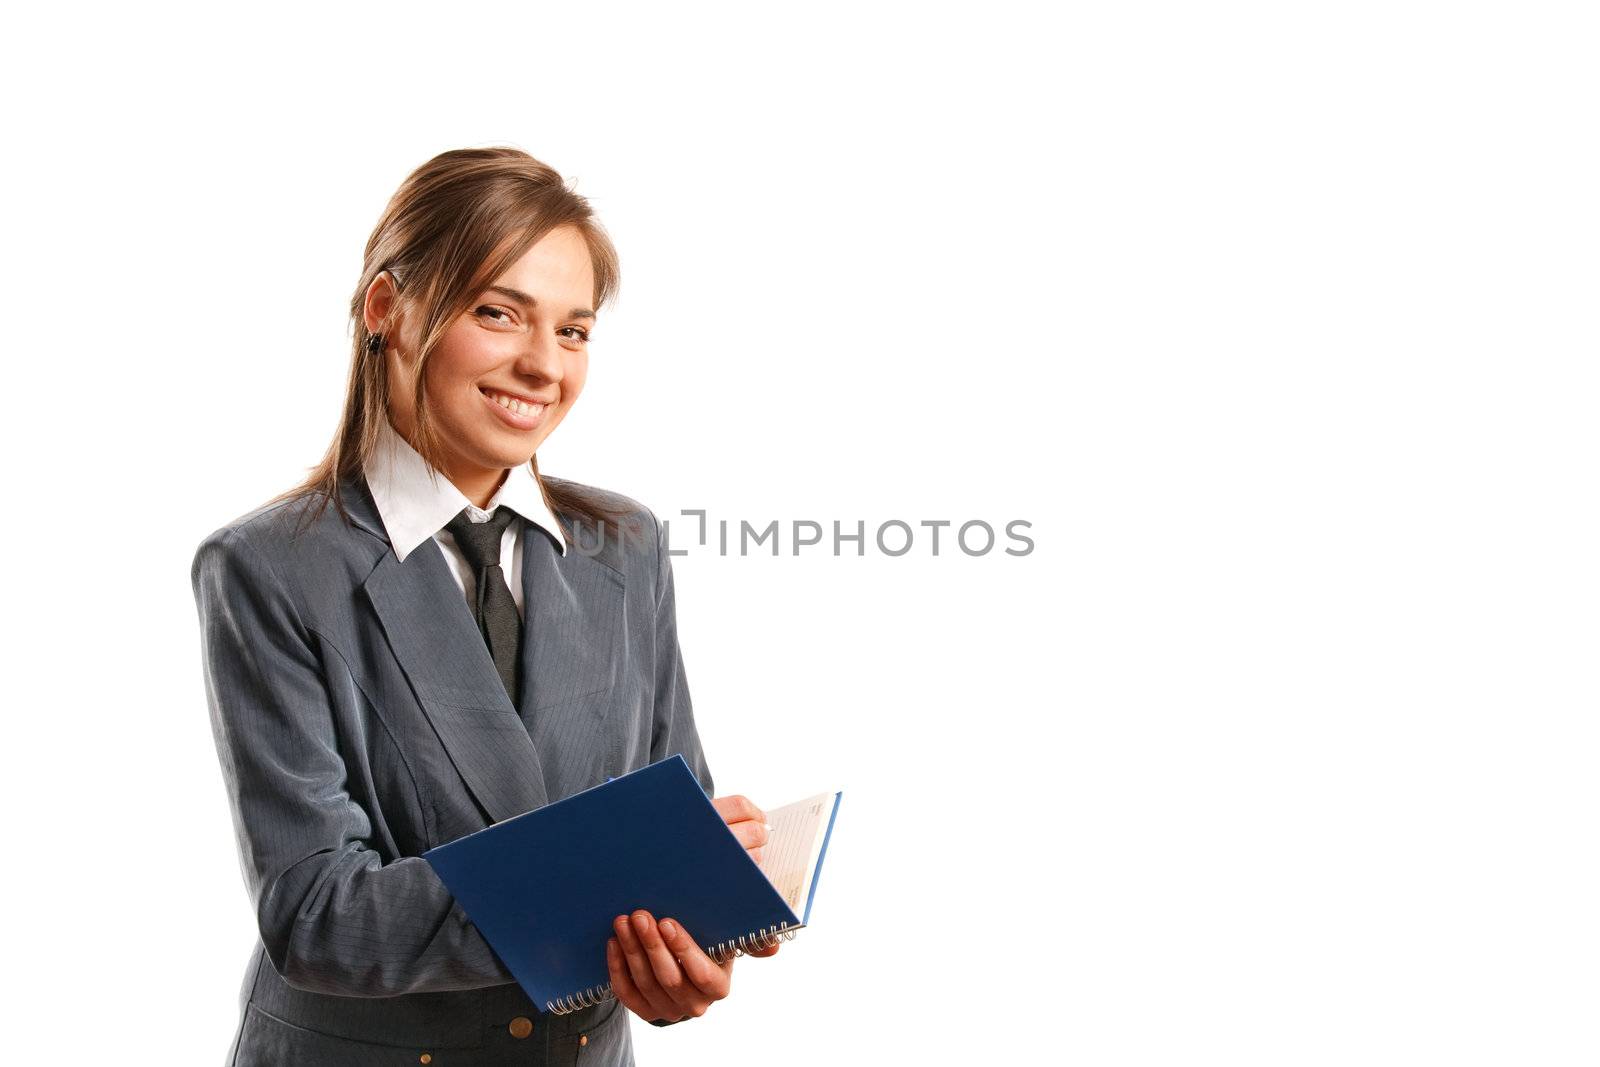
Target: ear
(380, 312)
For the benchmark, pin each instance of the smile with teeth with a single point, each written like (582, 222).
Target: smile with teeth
(513, 404)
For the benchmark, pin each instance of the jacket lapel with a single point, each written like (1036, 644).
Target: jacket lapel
(572, 624)
(434, 638)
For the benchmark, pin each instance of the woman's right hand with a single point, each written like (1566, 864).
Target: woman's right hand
(659, 972)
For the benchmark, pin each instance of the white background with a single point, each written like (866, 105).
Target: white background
(1277, 323)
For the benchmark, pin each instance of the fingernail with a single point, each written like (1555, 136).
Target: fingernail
(669, 928)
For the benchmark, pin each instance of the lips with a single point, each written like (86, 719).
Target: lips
(514, 411)
(517, 402)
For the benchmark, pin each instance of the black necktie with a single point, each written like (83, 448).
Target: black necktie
(493, 606)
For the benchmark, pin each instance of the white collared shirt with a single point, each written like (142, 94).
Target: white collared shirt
(415, 503)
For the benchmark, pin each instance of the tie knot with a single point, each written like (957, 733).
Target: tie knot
(480, 541)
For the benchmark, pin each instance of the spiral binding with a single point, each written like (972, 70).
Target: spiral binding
(587, 998)
(721, 952)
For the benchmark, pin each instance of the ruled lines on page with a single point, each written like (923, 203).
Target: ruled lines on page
(789, 857)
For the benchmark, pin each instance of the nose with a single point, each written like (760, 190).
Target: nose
(541, 357)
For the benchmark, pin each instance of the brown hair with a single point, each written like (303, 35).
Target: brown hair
(456, 223)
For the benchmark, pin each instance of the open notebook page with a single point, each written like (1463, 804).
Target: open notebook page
(789, 858)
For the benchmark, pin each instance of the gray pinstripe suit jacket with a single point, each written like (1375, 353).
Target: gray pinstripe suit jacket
(360, 721)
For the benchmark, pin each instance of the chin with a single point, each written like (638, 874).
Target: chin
(514, 459)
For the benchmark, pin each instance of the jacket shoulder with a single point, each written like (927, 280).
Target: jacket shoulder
(612, 527)
(303, 542)
(306, 522)
(609, 499)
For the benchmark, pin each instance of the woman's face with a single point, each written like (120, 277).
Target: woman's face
(509, 368)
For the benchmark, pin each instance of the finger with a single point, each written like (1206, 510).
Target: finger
(770, 950)
(669, 976)
(643, 975)
(738, 808)
(711, 978)
(750, 834)
(622, 986)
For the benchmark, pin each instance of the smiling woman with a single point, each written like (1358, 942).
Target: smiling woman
(519, 324)
(428, 657)
(504, 375)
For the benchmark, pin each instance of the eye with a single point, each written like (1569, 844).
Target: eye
(489, 310)
(582, 334)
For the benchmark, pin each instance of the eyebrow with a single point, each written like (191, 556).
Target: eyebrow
(524, 298)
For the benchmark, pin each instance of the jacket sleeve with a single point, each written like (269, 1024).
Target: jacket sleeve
(673, 728)
(333, 916)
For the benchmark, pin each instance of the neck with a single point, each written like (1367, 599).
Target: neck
(477, 484)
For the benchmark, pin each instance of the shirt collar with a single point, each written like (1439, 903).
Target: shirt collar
(415, 502)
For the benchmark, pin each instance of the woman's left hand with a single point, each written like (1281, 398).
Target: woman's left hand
(659, 972)
(749, 824)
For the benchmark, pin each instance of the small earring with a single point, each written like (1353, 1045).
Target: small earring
(375, 344)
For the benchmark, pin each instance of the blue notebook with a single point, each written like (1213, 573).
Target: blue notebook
(544, 886)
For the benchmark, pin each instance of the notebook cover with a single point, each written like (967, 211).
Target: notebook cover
(544, 886)
(816, 872)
